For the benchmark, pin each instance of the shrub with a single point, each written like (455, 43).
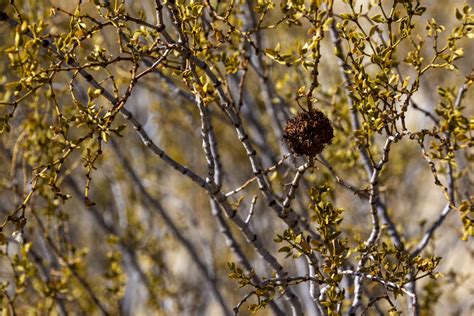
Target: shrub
(292, 157)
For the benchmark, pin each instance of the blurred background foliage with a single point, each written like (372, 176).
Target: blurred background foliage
(86, 207)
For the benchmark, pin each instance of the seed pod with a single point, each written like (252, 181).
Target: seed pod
(308, 133)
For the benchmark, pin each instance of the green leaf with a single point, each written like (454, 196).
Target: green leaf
(3, 239)
(459, 16)
(378, 18)
(298, 239)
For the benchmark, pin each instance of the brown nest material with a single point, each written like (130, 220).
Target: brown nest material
(308, 133)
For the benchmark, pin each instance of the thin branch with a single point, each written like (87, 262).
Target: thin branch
(294, 185)
(252, 207)
(360, 193)
(343, 69)
(82, 281)
(157, 207)
(242, 301)
(430, 231)
(125, 248)
(374, 235)
(366, 161)
(390, 286)
(248, 182)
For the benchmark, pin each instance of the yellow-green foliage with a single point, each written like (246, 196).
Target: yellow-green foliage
(149, 147)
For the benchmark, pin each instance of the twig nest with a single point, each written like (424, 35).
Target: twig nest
(308, 133)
